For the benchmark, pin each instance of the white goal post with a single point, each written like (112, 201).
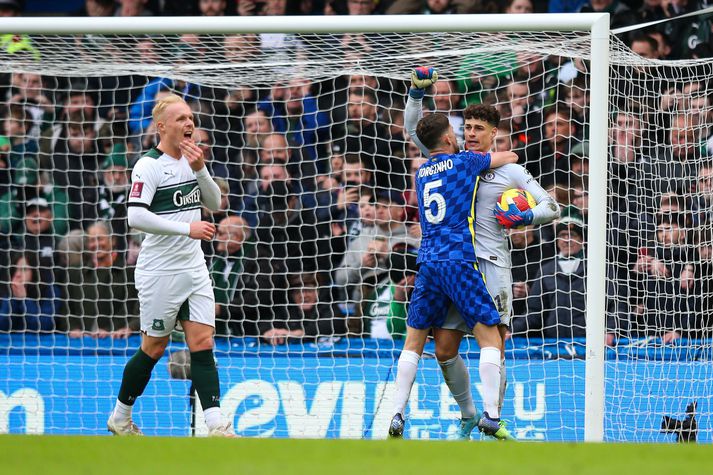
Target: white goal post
(597, 25)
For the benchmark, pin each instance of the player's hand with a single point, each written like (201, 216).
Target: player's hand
(658, 269)
(513, 217)
(687, 278)
(76, 333)
(121, 333)
(347, 196)
(670, 337)
(520, 290)
(193, 153)
(369, 260)
(276, 336)
(100, 334)
(246, 8)
(337, 229)
(643, 263)
(403, 289)
(423, 77)
(415, 231)
(202, 230)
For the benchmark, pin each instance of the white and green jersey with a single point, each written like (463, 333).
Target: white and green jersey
(168, 188)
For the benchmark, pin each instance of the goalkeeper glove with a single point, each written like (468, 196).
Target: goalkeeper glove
(513, 217)
(421, 78)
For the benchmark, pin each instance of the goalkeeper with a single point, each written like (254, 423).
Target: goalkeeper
(170, 183)
(480, 129)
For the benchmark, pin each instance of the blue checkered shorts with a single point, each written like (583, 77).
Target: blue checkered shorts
(440, 283)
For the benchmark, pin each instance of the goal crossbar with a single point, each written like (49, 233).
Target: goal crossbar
(305, 24)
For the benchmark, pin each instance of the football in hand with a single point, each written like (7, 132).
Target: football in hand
(521, 198)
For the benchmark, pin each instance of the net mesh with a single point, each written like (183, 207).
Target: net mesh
(305, 134)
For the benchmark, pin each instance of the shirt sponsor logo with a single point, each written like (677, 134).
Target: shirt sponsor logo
(179, 200)
(428, 170)
(136, 189)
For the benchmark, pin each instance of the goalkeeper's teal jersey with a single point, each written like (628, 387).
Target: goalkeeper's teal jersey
(446, 186)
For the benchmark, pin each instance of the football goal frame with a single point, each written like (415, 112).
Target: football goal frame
(596, 24)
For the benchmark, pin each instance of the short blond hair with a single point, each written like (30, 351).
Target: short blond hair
(223, 185)
(162, 104)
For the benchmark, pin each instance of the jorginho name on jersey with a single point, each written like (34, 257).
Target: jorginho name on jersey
(167, 187)
(446, 186)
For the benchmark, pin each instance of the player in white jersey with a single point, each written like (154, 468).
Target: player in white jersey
(491, 243)
(170, 183)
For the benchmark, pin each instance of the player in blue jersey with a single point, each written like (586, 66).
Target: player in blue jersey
(491, 244)
(446, 186)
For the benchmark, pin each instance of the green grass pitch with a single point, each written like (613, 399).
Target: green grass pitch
(72, 455)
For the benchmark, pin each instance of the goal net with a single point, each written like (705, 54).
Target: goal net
(318, 230)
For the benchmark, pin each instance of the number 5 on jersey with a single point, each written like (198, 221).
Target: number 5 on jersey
(429, 198)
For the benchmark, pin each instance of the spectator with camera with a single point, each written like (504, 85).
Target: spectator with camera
(341, 204)
(273, 184)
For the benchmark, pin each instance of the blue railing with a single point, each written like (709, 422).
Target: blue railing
(516, 348)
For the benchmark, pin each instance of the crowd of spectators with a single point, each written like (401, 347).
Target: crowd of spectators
(318, 228)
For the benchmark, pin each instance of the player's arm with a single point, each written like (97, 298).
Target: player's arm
(485, 161)
(144, 220)
(421, 78)
(498, 159)
(210, 192)
(144, 179)
(547, 209)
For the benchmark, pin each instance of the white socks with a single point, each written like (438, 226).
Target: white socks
(503, 385)
(213, 417)
(492, 377)
(405, 376)
(489, 367)
(458, 380)
(122, 412)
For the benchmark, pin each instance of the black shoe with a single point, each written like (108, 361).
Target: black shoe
(396, 428)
